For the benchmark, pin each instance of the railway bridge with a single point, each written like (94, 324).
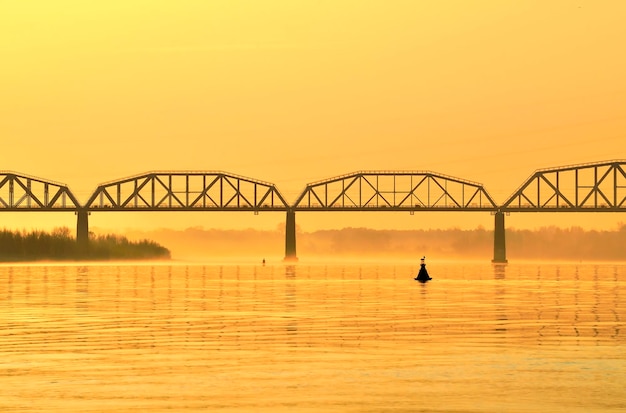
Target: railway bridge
(593, 187)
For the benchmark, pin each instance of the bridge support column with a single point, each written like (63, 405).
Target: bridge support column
(290, 236)
(82, 227)
(499, 244)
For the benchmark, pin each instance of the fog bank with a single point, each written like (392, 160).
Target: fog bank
(572, 243)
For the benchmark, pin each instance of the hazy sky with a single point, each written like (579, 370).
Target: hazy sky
(292, 92)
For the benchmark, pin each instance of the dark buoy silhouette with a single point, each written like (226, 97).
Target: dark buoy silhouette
(422, 275)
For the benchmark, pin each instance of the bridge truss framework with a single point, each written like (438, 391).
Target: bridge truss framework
(187, 191)
(19, 192)
(394, 191)
(593, 187)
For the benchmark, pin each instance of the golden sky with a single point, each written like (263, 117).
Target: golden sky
(292, 92)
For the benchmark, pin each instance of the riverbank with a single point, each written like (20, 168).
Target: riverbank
(60, 245)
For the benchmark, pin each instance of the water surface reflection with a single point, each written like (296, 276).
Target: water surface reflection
(312, 337)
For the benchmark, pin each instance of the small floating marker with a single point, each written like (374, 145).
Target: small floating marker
(422, 275)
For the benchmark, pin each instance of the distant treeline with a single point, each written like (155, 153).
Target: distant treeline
(572, 243)
(544, 243)
(61, 245)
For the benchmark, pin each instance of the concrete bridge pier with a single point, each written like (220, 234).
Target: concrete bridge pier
(290, 236)
(82, 227)
(499, 244)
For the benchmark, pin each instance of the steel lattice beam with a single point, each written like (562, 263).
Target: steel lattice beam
(595, 187)
(394, 191)
(187, 191)
(20, 192)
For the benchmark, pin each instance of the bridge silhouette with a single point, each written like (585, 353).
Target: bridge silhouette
(591, 187)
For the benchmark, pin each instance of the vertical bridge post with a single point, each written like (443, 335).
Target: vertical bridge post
(82, 227)
(499, 244)
(290, 236)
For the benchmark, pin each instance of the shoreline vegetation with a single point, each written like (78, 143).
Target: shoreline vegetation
(549, 243)
(61, 245)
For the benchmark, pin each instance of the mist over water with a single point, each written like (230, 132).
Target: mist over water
(547, 243)
(313, 336)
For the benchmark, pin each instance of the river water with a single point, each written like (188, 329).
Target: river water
(313, 337)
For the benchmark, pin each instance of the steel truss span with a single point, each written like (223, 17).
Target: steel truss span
(593, 187)
(20, 192)
(187, 191)
(394, 191)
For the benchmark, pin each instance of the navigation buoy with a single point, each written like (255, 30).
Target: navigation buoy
(422, 275)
